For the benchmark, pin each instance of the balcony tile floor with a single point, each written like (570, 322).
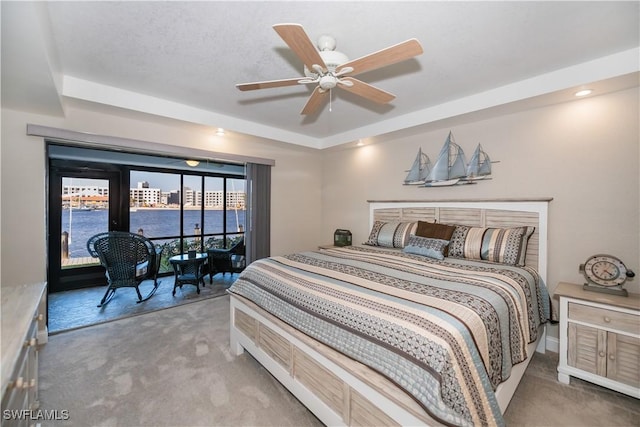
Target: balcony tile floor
(78, 308)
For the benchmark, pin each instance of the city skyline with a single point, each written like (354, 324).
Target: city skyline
(164, 181)
(151, 189)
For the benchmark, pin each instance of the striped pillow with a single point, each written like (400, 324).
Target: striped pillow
(503, 245)
(506, 245)
(391, 234)
(456, 244)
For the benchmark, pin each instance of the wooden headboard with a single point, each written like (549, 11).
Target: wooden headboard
(476, 213)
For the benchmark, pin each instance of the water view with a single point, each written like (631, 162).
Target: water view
(153, 222)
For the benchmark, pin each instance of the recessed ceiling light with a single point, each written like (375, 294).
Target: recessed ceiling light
(584, 92)
(359, 143)
(220, 132)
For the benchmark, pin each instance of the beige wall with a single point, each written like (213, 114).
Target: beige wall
(584, 154)
(296, 182)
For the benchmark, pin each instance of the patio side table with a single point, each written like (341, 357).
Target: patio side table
(188, 270)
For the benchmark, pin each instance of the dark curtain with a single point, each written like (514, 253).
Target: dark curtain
(258, 234)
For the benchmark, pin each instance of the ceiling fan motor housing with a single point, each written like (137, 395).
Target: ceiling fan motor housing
(332, 60)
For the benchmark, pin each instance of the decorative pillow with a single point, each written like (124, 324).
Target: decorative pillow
(503, 245)
(426, 246)
(435, 231)
(506, 245)
(466, 242)
(456, 244)
(391, 234)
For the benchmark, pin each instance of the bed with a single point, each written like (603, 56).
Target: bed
(393, 332)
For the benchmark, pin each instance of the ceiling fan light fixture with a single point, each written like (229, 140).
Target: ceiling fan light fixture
(328, 82)
(192, 163)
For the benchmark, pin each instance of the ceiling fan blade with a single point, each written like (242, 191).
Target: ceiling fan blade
(365, 90)
(317, 98)
(391, 55)
(268, 84)
(298, 40)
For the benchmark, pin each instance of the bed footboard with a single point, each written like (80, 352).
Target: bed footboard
(338, 390)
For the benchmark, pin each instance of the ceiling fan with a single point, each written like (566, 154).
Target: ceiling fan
(329, 68)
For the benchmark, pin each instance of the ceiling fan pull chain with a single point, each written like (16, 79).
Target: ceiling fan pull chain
(330, 99)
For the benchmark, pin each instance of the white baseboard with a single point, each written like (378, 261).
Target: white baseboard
(553, 344)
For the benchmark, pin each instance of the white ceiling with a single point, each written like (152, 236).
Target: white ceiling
(182, 60)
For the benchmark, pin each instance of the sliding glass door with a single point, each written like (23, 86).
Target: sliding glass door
(83, 201)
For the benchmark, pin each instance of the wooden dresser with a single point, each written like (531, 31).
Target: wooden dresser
(24, 329)
(599, 338)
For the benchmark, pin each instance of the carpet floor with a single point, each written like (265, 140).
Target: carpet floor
(165, 368)
(174, 368)
(78, 308)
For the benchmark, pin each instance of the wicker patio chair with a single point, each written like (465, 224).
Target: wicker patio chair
(128, 259)
(221, 260)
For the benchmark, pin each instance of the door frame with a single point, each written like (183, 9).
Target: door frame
(81, 277)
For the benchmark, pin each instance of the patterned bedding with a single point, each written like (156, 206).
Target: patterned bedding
(447, 332)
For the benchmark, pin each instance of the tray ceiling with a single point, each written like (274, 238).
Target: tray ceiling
(181, 60)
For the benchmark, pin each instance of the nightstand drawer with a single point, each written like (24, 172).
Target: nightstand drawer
(602, 317)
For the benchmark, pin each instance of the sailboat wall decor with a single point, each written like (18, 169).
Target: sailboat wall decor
(479, 166)
(419, 170)
(450, 168)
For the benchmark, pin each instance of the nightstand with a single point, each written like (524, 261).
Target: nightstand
(599, 338)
